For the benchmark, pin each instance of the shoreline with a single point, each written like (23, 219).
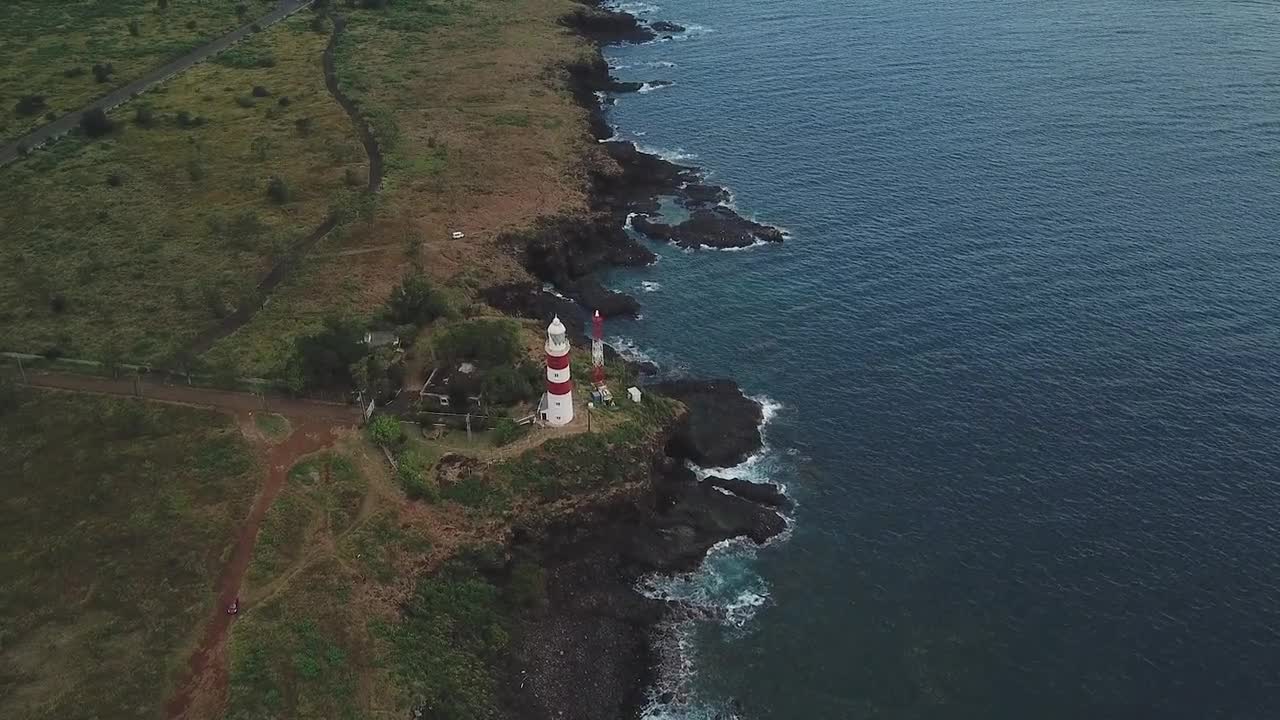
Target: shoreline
(601, 617)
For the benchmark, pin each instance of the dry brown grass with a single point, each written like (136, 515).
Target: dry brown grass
(481, 137)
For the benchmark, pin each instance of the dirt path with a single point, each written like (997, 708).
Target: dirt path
(228, 400)
(204, 686)
(121, 95)
(282, 269)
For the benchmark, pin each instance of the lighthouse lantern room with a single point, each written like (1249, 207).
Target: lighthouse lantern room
(556, 407)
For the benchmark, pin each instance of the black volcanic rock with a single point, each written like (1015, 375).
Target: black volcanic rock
(717, 227)
(641, 179)
(607, 26)
(763, 493)
(663, 26)
(697, 194)
(722, 427)
(529, 300)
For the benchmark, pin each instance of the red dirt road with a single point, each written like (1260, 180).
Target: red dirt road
(202, 691)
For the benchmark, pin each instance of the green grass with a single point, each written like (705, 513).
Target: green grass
(118, 517)
(323, 493)
(46, 40)
(142, 266)
(274, 426)
(302, 653)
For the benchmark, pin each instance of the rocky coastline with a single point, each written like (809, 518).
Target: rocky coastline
(589, 652)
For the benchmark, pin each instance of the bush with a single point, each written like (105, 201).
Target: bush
(144, 116)
(95, 123)
(506, 431)
(192, 25)
(245, 101)
(260, 91)
(29, 105)
(278, 190)
(73, 72)
(103, 72)
(58, 303)
(384, 430)
(416, 302)
(284, 101)
(527, 586)
(135, 28)
(241, 9)
(324, 359)
(411, 473)
(506, 385)
(196, 170)
(115, 179)
(303, 125)
(488, 342)
(186, 120)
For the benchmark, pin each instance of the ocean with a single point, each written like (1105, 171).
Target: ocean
(1020, 353)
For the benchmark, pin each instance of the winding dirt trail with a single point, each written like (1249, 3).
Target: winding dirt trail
(202, 691)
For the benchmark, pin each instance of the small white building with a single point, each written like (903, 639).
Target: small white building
(633, 393)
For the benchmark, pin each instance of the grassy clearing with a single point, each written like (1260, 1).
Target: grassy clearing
(274, 427)
(323, 495)
(480, 136)
(135, 242)
(118, 517)
(51, 45)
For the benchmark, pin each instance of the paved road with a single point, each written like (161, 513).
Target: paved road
(121, 95)
(230, 400)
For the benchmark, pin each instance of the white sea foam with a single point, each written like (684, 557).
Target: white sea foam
(654, 86)
(650, 286)
(635, 8)
(675, 156)
(660, 64)
(549, 288)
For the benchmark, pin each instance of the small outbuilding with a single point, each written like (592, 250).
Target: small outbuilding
(381, 338)
(633, 392)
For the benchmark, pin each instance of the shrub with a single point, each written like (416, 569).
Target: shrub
(95, 123)
(29, 105)
(245, 101)
(58, 303)
(115, 179)
(284, 101)
(144, 116)
(73, 72)
(192, 24)
(196, 170)
(278, 190)
(162, 4)
(325, 358)
(318, 24)
(411, 473)
(416, 302)
(489, 342)
(352, 178)
(241, 9)
(135, 28)
(260, 91)
(103, 72)
(384, 430)
(303, 125)
(527, 586)
(506, 431)
(506, 385)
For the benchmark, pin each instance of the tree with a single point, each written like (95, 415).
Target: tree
(506, 385)
(325, 358)
(416, 302)
(487, 341)
(277, 190)
(384, 430)
(95, 123)
(505, 431)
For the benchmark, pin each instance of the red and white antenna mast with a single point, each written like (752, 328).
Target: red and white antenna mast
(597, 349)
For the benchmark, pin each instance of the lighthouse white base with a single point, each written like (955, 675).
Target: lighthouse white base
(556, 410)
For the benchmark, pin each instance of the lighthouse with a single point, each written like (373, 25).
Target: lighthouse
(556, 407)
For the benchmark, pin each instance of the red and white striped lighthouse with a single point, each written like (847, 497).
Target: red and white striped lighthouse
(557, 404)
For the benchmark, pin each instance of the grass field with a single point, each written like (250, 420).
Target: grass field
(51, 45)
(117, 519)
(467, 100)
(133, 243)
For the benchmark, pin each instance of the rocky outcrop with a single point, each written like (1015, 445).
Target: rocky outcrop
(722, 426)
(664, 26)
(700, 194)
(763, 493)
(607, 26)
(718, 227)
(567, 251)
(586, 654)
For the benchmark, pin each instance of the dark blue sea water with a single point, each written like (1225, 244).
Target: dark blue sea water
(1023, 347)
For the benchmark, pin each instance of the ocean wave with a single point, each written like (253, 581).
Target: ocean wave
(677, 155)
(660, 64)
(654, 86)
(650, 286)
(635, 8)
